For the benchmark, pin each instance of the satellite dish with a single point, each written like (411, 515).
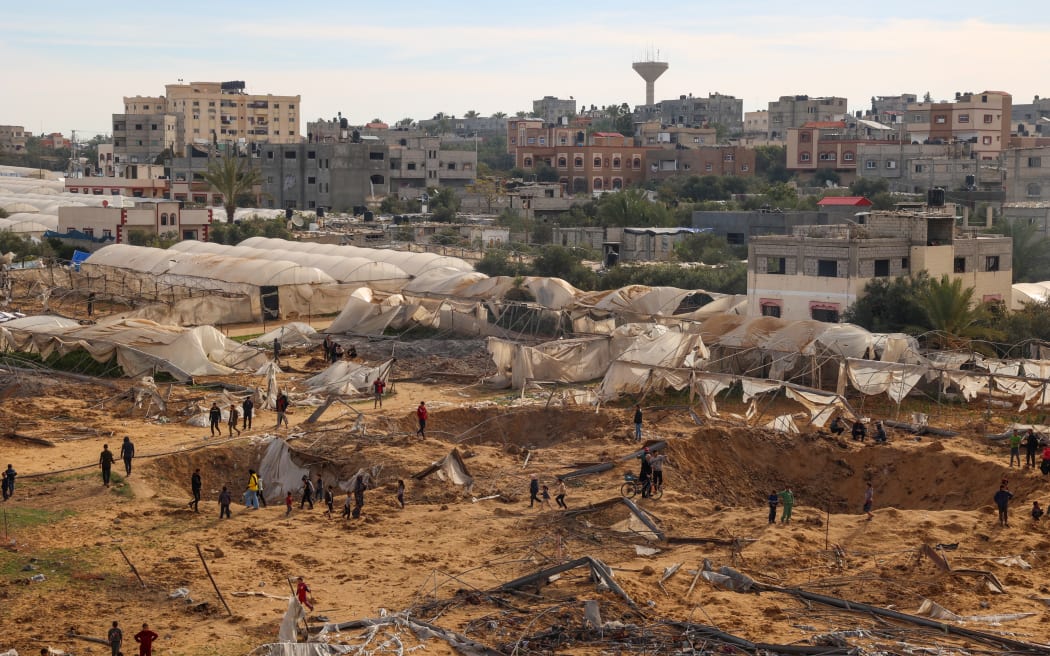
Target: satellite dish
(297, 221)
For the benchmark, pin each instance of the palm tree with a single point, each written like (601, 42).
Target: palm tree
(499, 114)
(472, 114)
(232, 177)
(950, 310)
(1031, 252)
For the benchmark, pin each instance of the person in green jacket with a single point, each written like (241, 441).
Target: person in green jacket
(787, 500)
(1015, 447)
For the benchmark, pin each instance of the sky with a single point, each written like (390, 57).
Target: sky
(68, 65)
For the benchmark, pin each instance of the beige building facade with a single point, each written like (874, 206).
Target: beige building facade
(149, 218)
(818, 272)
(224, 112)
(12, 138)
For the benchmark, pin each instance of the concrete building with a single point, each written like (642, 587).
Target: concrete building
(914, 168)
(12, 138)
(1027, 174)
(795, 111)
(540, 200)
(833, 145)
(890, 109)
(1031, 119)
(663, 163)
(148, 218)
(55, 141)
(142, 138)
(818, 272)
(623, 244)
(333, 176)
(698, 112)
(551, 110)
(738, 227)
(138, 181)
(655, 133)
(983, 119)
(585, 163)
(223, 112)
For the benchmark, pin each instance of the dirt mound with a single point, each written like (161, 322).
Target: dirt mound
(527, 427)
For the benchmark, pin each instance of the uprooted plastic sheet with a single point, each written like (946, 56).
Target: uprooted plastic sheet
(389, 635)
(936, 611)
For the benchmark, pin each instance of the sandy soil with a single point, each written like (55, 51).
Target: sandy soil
(436, 555)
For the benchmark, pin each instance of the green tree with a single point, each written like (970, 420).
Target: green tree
(704, 247)
(822, 176)
(771, 163)
(1021, 327)
(891, 305)
(1031, 252)
(546, 173)
(392, 204)
(868, 187)
(472, 114)
(444, 203)
(232, 176)
(631, 207)
(883, 200)
(497, 262)
(951, 311)
(499, 114)
(564, 263)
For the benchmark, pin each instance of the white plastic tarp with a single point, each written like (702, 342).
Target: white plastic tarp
(895, 379)
(347, 378)
(295, 334)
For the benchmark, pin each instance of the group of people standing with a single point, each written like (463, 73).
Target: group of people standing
(245, 415)
(146, 637)
(254, 496)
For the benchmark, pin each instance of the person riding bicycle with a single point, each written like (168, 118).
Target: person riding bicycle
(645, 476)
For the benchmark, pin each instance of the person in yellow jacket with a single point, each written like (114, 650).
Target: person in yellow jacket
(252, 498)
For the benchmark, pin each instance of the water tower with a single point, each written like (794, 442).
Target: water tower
(650, 70)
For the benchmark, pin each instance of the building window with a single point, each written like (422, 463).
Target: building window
(451, 166)
(776, 265)
(987, 118)
(803, 157)
(543, 141)
(905, 263)
(891, 163)
(311, 180)
(709, 167)
(825, 314)
(940, 119)
(531, 141)
(882, 268)
(728, 157)
(744, 168)
(1033, 190)
(578, 162)
(617, 183)
(991, 263)
(269, 154)
(528, 161)
(376, 156)
(411, 166)
(847, 156)
(803, 137)
(828, 268)
(987, 141)
(563, 163)
(964, 118)
(636, 163)
(960, 265)
(770, 309)
(164, 218)
(616, 162)
(311, 154)
(289, 154)
(871, 164)
(918, 168)
(597, 162)
(596, 184)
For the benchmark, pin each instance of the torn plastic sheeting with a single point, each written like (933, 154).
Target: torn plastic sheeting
(295, 334)
(873, 377)
(784, 424)
(422, 630)
(347, 378)
(968, 384)
(753, 387)
(730, 579)
(936, 611)
(707, 386)
(288, 631)
(450, 468)
(600, 572)
(1012, 561)
(821, 407)
(300, 649)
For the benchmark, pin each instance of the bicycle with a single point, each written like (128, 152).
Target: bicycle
(633, 486)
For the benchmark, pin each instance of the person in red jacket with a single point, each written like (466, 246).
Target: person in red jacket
(377, 391)
(145, 638)
(302, 593)
(421, 414)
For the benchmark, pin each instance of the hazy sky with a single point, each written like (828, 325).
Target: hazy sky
(67, 65)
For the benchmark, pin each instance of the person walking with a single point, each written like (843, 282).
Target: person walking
(247, 408)
(1002, 502)
(657, 463)
(377, 393)
(637, 423)
(1044, 466)
(195, 488)
(145, 638)
(262, 490)
(276, 351)
(360, 485)
(127, 452)
(787, 498)
(105, 463)
(329, 501)
(774, 501)
(869, 499)
(115, 638)
(288, 503)
(231, 423)
(282, 409)
(8, 482)
(326, 346)
(1031, 445)
(1037, 512)
(214, 417)
(421, 415)
(303, 594)
(545, 494)
(1015, 447)
(252, 497)
(534, 490)
(401, 493)
(225, 498)
(559, 494)
(308, 493)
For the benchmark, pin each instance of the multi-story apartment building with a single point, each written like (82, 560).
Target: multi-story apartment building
(983, 119)
(819, 271)
(915, 168)
(551, 110)
(150, 218)
(12, 138)
(654, 133)
(663, 163)
(142, 138)
(599, 162)
(223, 112)
(795, 111)
(890, 109)
(833, 145)
(335, 176)
(1027, 174)
(698, 112)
